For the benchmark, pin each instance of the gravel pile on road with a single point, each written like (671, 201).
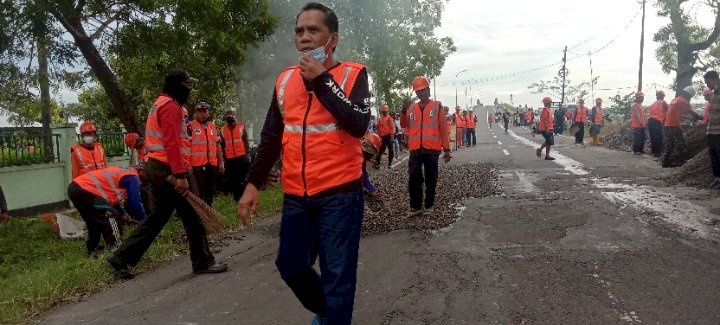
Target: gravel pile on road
(455, 183)
(695, 172)
(622, 138)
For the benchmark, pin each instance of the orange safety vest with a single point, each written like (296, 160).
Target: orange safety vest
(598, 118)
(491, 118)
(581, 115)
(234, 144)
(89, 160)
(317, 154)
(546, 120)
(658, 110)
(105, 183)
(386, 126)
(678, 107)
(637, 116)
(706, 113)
(204, 144)
(154, 144)
(530, 117)
(460, 121)
(471, 123)
(423, 130)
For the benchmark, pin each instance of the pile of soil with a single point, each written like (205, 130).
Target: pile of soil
(455, 183)
(695, 172)
(621, 140)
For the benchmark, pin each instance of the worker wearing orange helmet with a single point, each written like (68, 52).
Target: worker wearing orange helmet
(371, 143)
(426, 129)
(579, 119)
(235, 141)
(530, 120)
(206, 155)
(318, 114)
(386, 131)
(459, 122)
(547, 128)
(136, 145)
(597, 121)
(637, 123)
(674, 139)
(88, 155)
(655, 122)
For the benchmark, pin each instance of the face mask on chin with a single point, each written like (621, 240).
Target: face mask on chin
(318, 54)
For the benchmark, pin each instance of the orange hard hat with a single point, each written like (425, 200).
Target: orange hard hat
(639, 94)
(547, 100)
(457, 107)
(87, 127)
(371, 143)
(707, 92)
(598, 100)
(384, 108)
(131, 139)
(420, 83)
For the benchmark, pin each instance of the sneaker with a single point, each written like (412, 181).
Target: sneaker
(549, 158)
(414, 212)
(215, 268)
(538, 152)
(318, 320)
(715, 184)
(429, 211)
(121, 269)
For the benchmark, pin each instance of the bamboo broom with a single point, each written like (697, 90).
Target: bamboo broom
(213, 221)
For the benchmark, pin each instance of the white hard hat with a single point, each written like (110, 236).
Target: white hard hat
(690, 91)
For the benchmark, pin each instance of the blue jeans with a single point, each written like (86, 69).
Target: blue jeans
(328, 227)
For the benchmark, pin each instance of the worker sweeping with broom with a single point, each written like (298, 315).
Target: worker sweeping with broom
(164, 159)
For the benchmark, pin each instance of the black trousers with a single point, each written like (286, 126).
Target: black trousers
(714, 150)
(165, 200)
(236, 170)
(471, 136)
(655, 128)
(387, 142)
(638, 140)
(93, 210)
(423, 168)
(580, 135)
(205, 176)
(674, 146)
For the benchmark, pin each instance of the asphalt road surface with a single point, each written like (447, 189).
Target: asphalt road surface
(594, 237)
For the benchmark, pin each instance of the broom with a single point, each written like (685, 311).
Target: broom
(213, 221)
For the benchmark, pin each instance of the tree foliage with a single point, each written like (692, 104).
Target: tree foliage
(619, 108)
(553, 87)
(684, 43)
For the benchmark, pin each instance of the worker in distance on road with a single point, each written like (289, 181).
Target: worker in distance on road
(546, 127)
(655, 123)
(637, 123)
(386, 131)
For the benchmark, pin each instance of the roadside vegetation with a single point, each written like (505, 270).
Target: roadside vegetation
(38, 270)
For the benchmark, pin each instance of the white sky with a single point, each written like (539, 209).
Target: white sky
(496, 38)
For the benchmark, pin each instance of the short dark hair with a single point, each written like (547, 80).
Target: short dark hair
(712, 74)
(331, 19)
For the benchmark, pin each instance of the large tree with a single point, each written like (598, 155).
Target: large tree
(554, 87)
(683, 41)
(144, 38)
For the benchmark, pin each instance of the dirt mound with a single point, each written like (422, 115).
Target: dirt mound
(455, 183)
(695, 173)
(622, 138)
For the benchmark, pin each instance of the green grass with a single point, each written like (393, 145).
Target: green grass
(38, 270)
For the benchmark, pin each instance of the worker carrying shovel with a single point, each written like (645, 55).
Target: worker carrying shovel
(97, 194)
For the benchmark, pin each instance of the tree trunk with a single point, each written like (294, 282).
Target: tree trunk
(46, 110)
(686, 66)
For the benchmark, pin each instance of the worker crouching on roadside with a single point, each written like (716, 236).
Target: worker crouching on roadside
(95, 193)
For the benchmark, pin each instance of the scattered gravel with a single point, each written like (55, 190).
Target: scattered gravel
(455, 183)
(695, 172)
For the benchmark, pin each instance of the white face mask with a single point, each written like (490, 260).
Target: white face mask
(318, 54)
(88, 139)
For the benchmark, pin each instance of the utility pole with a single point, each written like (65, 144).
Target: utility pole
(563, 74)
(456, 88)
(434, 89)
(642, 48)
(592, 83)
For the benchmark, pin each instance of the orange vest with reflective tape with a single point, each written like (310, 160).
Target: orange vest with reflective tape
(459, 120)
(581, 115)
(234, 144)
(598, 117)
(470, 121)
(547, 122)
(154, 144)
(423, 129)
(317, 155)
(658, 110)
(105, 183)
(89, 160)
(203, 144)
(386, 126)
(637, 116)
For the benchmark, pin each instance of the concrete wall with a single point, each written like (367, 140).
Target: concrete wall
(35, 188)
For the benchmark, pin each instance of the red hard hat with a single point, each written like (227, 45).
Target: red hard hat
(384, 108)
(707, 92)
(420, 83)
(131, 139)
(598, 100)
(547, 100)
(371, 143)
(87, 127)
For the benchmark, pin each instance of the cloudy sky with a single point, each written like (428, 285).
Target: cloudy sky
(504, 37)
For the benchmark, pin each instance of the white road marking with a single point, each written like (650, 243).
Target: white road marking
(689, 217)
(399, 162)
(526, 184)
(631, 316)
(506, 152)
(499, 143)
(495, 136)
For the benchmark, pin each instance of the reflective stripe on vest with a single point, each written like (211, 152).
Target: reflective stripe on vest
(203, 144)
(317, 155)
(105, 183)
(423, 129)
(234, 146)
(471, 124)
(657, 110)
(90, 159)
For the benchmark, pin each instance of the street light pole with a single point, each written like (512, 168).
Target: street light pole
(456, 88)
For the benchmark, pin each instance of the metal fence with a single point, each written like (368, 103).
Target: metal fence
(28, 147)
